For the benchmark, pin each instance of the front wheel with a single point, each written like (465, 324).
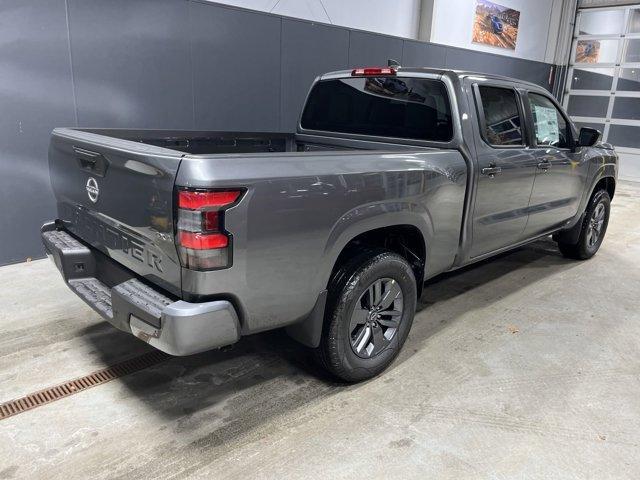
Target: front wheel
(370, 308)
(594, 226)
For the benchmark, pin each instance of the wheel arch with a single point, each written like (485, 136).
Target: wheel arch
(603, 182)
(404, 239)
(407, 238)
(607, 183)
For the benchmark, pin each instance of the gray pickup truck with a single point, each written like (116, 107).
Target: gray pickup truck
(191, 239)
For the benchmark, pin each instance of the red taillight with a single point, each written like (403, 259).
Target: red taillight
(211, 220)
(196, 199)
(372, 71)
(202, 241)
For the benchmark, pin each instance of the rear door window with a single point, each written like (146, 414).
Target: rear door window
(401, 107)
(502, 120)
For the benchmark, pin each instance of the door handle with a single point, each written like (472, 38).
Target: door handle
(93, 162)
(491, 171)
(544, 165)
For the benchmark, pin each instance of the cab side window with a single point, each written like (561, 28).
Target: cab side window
(502, 123)
(549, 126)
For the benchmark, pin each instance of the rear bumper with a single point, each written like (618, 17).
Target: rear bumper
(173, 326)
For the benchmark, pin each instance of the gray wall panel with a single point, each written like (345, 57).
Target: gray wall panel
(419, 54)
(370, 49)
(330, 47)
(131, 63)
(457, 58)
(166, 64)
(236, 68)
(35, 96)
(536, 72)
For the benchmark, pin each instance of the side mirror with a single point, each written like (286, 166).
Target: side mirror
(588, 137)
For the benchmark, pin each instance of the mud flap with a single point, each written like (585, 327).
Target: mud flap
(309, 331)
(571, 235)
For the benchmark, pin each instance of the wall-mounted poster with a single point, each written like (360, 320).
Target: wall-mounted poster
(587, 51)
(495, 25)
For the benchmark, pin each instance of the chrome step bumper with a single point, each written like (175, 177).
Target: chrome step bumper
(173, 326)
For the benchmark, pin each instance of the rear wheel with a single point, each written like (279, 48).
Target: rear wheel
(594, 226)
(370, 308)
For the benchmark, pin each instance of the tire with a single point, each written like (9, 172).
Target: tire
(597, 213)
(358, 345)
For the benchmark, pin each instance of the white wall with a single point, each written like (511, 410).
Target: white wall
(452, 24)
(448, 22)
(393, 17)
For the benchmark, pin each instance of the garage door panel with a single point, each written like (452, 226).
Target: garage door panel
(627, 108)
(592, 79)
(624, 136)
(588, 106)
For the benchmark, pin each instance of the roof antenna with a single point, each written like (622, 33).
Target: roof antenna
(393, 63)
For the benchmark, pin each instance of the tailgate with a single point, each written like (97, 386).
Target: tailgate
(117, 196)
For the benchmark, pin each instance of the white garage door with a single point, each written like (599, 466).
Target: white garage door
(603, 84)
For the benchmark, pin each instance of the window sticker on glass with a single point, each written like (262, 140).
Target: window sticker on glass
(546, 121)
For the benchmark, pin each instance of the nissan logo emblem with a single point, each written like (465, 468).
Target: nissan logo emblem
(92, 189)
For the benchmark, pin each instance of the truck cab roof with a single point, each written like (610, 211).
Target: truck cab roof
(460, 74)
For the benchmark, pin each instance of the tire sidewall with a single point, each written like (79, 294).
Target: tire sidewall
(599, 197)
(386, 265)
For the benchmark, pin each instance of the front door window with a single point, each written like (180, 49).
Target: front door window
(549, 126)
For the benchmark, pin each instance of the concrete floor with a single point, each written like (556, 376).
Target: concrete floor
(526, 366)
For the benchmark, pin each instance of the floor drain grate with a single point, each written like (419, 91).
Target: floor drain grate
(57, 392)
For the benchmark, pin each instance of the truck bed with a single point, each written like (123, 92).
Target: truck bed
(204, 142)
(132, 177)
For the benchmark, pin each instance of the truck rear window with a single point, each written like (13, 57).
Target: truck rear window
(413, 108)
